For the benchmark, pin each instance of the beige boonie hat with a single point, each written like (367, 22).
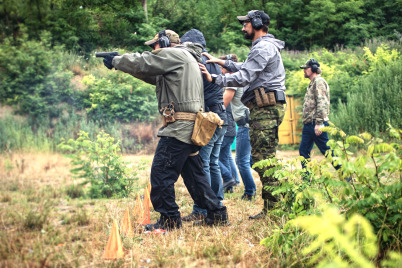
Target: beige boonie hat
(173, 37)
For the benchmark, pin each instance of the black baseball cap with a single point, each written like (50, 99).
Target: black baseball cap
(264, 17)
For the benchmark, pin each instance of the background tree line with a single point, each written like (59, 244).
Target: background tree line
(48, 72)
(83, 26)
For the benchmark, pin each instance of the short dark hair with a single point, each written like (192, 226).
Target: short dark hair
(265, 28)
(232, 57)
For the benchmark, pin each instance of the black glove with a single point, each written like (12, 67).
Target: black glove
(108, 62)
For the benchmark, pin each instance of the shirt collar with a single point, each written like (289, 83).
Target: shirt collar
(315, 78)
(260, 38)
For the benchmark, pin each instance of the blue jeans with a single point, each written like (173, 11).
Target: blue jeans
(243, 159)
(226, 163)
(308, 140)
(210, 157)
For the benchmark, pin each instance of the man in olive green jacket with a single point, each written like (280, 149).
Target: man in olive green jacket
(173, 68)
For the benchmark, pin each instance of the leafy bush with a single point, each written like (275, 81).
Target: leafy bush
(374, 101)
(339, 242)
(119, 96)
(375, 190)
(100, 165)
(32, 78)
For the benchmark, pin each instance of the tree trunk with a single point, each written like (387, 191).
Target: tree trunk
(145, 7)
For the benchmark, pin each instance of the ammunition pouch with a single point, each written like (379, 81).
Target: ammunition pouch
(265, 97)
(204, 127)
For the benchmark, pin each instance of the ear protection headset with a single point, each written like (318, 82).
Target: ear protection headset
(229, 57)
(256, 20)
(163, 39)
(314, 65)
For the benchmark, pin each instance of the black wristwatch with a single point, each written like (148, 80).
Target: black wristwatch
(214, 76)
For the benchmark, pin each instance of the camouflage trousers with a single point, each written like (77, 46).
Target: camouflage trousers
(264, 124)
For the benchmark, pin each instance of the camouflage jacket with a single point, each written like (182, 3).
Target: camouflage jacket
(316, 101)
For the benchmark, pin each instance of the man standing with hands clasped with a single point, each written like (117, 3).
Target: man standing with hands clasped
(263, 77)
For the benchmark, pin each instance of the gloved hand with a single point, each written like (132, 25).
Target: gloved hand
(108, 62)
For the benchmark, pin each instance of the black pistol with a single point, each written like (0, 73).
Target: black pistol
(105, 54)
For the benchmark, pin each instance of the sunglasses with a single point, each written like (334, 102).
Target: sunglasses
(245, 23)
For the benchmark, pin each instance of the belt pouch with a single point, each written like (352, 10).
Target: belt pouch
(204, 127)
(271, 96)
(258, 98)
(264, 97)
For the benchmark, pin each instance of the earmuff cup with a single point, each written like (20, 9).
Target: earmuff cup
(164, 41)
(256, 20)
(314, 65)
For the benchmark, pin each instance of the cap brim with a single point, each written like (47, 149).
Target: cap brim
(242, 18)
(150, 42)
(304, 67)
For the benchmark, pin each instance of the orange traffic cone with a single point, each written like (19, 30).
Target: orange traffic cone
(138, 208)
(146, 219)
(126, 226)
(149, 194)
(114, 248)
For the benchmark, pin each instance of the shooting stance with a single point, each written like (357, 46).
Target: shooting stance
(174, 70)
(263, 77)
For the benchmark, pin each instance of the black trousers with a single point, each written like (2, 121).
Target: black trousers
(172, 158)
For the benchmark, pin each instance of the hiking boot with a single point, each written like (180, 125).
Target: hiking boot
(227, 184)
(193, 217)
(259, 216)
(247, 197)
(215, 217)
(268, 205)
(228, 190)
(164, 223)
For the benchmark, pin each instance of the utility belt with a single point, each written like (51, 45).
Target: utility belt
(170, 116)
(205, 124)
(266, 97)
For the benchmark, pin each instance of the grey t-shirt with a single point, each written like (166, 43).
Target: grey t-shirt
(238, 108)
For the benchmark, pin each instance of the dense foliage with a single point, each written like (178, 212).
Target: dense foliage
(86, 25)
(374, 101)
(373, 192)
(48, 72)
